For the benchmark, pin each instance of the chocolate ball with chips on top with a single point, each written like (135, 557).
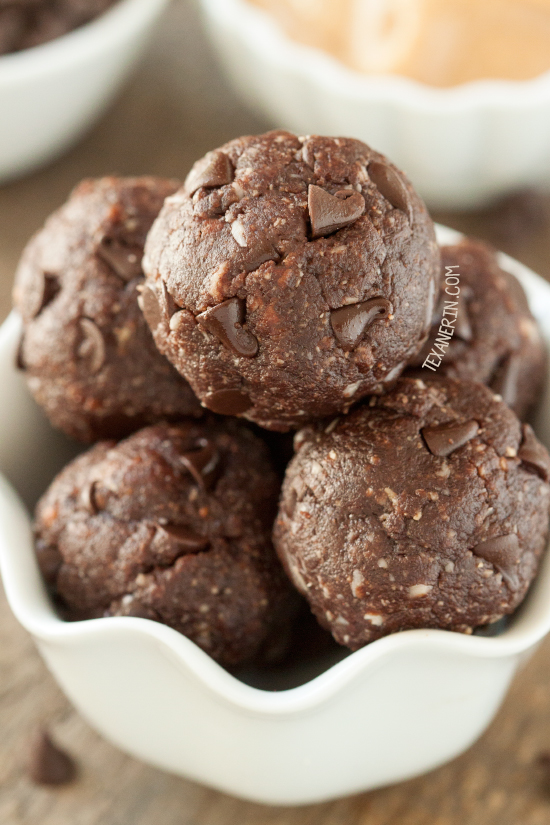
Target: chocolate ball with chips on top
(423, 508)
(173, 524)
(290, 277)
(496, 339)
(88, 355)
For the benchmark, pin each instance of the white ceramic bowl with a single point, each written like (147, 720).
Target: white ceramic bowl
(461, 147)
(51, 93)
(394, 709)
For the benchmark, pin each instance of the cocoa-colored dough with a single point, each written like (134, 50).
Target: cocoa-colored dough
(87, 353)
(424, 508)
(496, 340)
(290, 277)
(173, 524)
(27, 23)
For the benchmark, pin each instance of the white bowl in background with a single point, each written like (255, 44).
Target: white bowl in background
(50, 94)
(394, 709)
(461, 147)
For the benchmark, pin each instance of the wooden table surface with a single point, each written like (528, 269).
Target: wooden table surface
(177, 107)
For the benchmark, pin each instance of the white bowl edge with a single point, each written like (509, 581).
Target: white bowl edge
(34, 611)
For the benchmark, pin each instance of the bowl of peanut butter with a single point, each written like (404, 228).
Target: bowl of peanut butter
(457, 91)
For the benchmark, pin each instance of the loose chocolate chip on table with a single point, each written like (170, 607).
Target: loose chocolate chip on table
(124, 260)
(390, 184)
(43, 291)
(350, 323)
(328, 213)
(216, 169)
(228, 402)
(203, 463)
(506, 379)
(185, 537)
(93, 346)
(149, 304)
(48, 764)
(225, 322)
(444, 439)
(533, 455)
(503, 552)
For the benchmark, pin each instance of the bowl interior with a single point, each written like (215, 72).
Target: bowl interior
(32, 452)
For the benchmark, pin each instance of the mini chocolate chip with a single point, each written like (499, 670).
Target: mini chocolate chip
(533, 455)
(48, 764)
(138, 610)
(149, 304)
(190, 541)
(88, 498)
(328, 213)
(463, 328)
(42, 292)
(203, 463)
(215, 169)
(228, 402)
(503, 553)
(444, 439)
(350, 323)
(392, 186)
(225, 322)
(262, 251)
(124, 259)
(92, 347)
(167, 305)
(19, 360)
(505, 381)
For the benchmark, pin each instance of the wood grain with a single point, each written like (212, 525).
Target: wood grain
(177, 107)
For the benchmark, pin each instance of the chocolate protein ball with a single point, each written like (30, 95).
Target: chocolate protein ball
(173, 524)
(426, 507)
(495, 339)
(27, 23)
(291, 276)
(88, 355)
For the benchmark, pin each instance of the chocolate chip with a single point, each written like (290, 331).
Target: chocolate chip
(533, 455)
(190, 541)
(203, 463)
(92, 347)
(42, 292)
(215, 169)
(505, 381)
(138, 610)
(444, 439)
(88, 498)
(225, 322)
(228, 402)
(149, 305)
(123, 259)
(503, 553)
(350, 323)
(328, 213)
(391, 185)
(48, 764)
(167, 305)
(463, 328)
(262, 251)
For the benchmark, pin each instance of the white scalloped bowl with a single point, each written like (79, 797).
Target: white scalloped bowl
(394, 709)
(50, 94)
(461, 147)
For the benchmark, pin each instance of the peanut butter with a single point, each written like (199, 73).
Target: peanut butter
(438, 42)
